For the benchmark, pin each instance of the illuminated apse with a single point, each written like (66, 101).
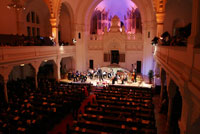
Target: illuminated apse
(126, 10)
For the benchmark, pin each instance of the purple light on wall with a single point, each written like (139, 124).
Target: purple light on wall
(116, 7)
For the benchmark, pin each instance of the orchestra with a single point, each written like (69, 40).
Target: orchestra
(99, 74)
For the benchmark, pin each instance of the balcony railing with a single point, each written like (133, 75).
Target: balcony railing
(12, 54)
(182, 62)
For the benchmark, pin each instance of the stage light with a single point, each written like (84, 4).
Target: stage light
(22, 65)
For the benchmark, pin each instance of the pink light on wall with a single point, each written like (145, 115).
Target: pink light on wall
(116, 7)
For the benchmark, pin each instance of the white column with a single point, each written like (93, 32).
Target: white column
(36, 79)
(169, 116)
(81, 48)
(5, 73)
(162, 83)
(149, 26)
(57, 69)
(54, 25)
(5, 89)
(36, 66)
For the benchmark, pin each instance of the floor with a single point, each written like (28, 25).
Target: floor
(68, 120)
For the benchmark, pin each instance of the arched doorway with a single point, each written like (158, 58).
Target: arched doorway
(47, 74)
(66, 66)
(21, 80)
(174, 107)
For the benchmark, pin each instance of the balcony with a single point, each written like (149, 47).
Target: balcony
(181, 62)
(22, 53)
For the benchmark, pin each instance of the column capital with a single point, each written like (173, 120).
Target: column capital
(5, 71)
(36, 65)
(54, 22)
(160, 16)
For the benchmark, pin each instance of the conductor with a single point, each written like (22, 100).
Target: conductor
(100, 74)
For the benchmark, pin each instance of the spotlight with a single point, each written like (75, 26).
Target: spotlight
(22, 65)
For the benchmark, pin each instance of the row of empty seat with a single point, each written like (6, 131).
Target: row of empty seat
(120, 110)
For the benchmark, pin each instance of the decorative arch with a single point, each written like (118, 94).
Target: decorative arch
(58, 9)
(22, 71)
(68, 8)
(47, 69)
(145, 7)
(49, 4)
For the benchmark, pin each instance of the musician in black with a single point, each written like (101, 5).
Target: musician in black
(83, 77)
(114, 79)
(100, 74)
(135, 76)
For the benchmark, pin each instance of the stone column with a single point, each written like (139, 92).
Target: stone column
(81, 47)
(149, 26)
(160, 19)
(5, 89)
(36, 79)
(57, 69)
(162, 83)
(5, 70)
(194, 38)
(54, 25)
(171, 93)
(36, 65)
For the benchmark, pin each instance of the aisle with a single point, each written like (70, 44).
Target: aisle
(68, 120)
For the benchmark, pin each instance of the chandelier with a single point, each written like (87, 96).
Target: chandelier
(16, 4)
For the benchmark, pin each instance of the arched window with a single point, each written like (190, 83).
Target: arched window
(28, 17)
(33, 24)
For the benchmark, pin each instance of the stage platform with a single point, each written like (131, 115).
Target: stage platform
(114, 70)
(107, 82)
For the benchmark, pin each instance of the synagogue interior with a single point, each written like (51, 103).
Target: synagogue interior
(99, 66)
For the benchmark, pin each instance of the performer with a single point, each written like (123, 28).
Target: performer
(122, 79)
(100, 74)
(74, 76)
(77, 75)
(135, 76)
(83, 77)
(114, 79)
(104, 74)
